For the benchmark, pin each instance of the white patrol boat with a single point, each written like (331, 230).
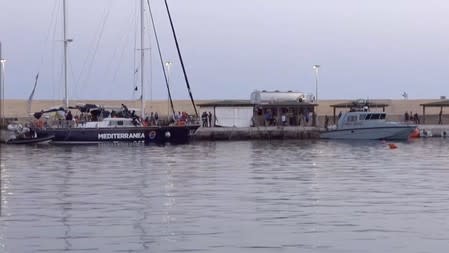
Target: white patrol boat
(366, 125)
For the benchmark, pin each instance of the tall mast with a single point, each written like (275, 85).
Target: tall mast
(142, 58)
(2, 113)
(66, 42)
(180, 58)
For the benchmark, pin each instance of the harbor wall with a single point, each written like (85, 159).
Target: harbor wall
(257, 133)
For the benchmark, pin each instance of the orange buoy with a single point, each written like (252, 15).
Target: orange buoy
(414, 134)
(392, 146)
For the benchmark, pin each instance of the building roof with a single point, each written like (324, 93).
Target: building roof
(287, 103)
(441, 103)
(230, 103)
(245, 102)
(361, 103)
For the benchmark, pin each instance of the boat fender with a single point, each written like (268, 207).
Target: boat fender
(422, 132)
(167, 134)
(18, 127)
(40, 124)
(415, 134)
(152, 135)
(427, 133)
(444, 134)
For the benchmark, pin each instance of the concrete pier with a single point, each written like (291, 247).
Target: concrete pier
(256, 133)
(434, 130)
(288, 132)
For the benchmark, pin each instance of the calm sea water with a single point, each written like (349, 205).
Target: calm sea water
(249, 196)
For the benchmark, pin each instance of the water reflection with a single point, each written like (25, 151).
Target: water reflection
(66, 206)
(308, 196)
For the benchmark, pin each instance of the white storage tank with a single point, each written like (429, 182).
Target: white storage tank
(268, 97)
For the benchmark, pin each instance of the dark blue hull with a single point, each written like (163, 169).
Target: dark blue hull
(152, 134)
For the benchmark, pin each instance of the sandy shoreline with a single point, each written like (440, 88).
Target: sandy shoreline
(18, 108)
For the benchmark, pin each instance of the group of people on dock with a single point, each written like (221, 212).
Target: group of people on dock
(411, 117)
(206, 119)
(285, 118)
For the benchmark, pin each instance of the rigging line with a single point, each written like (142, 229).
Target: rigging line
(160, 57)
(180, 59)
(114, 64)
(97, 45)
(47, 36)
(52, 52)
(120, 57)
(47, 39)
(124, 43)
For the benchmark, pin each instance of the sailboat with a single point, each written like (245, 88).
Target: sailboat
(118, 126)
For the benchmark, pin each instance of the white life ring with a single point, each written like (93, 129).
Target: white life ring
(152, 135)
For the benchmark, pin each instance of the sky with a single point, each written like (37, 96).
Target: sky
(366, 49)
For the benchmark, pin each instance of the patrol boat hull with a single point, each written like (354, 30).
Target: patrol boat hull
(398, 132)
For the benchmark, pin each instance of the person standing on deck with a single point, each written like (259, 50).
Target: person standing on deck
(210, 119)
(204, 119)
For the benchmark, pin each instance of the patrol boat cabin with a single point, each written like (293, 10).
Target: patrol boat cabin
(361, 119)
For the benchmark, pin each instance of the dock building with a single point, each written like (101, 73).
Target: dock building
(264, 108)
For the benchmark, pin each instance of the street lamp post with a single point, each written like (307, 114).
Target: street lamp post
(2, 113)
(316, 68)
(168, 66)
(2, 88)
